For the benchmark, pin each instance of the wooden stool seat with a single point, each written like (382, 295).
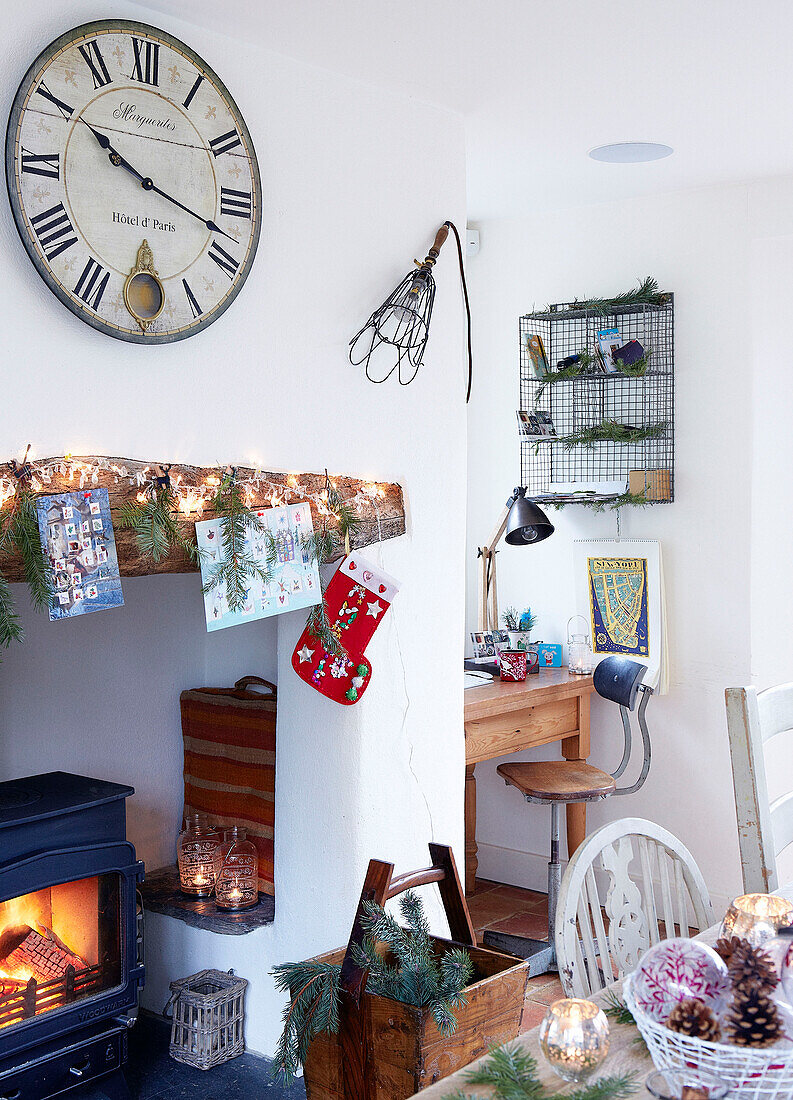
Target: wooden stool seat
(559, 780)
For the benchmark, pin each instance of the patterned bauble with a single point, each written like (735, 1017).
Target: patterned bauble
(753, 1021)
(693, 1017)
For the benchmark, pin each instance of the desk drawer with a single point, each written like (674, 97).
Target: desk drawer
(503, 734)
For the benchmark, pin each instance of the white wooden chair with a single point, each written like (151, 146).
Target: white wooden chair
(764, 829)
(644, 878)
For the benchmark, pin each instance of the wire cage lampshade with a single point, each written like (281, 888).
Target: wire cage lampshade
(402, 322)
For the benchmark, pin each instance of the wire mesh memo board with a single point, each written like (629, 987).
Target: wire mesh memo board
(556, 467)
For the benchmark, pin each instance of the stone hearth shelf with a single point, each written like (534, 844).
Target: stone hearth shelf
(161, 894)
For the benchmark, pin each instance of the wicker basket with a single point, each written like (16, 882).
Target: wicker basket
(751, 1074)
(208, 1025)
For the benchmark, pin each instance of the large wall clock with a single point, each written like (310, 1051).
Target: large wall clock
(133, 181)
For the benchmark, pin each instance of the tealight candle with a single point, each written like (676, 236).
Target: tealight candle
(686, 1084)
(757, 917)
(574, 1037)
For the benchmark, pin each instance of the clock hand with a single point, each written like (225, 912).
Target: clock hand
(146, 182)
(149, 185)
(114, 157)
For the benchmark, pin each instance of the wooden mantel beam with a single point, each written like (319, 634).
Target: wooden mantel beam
(381, 506)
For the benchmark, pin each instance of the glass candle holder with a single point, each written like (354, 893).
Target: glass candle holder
(757, 918)
(574, 1037)
(686, 1084)
(580, 658)
(237, 885)
(197, 853)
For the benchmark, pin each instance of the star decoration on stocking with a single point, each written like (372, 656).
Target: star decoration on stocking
(305, 654)
(374, 609)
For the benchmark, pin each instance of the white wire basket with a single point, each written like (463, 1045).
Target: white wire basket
(752, 1074)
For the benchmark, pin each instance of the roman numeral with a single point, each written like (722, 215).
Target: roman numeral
(236, 204)
(95, 63)
(192, 92)
(194, 306)
(225, 142)
(52, 227)
(42, 164)
(147, 61)
(64, 108)
(223, 260)
(91, 285)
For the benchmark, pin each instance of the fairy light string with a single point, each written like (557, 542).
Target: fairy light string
(193, 497)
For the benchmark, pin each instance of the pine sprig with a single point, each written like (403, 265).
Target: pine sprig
(19, 533)
(601, 504)
(237, 567)
(619, 1012)
(610, 431)
(24, 534)
(314, 990)
(645, 294)
(11, 629)
(325, 545)
(155, 525)
(511, 1072)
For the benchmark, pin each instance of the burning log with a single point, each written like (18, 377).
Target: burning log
(25, 951)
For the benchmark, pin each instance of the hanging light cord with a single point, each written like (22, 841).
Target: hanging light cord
(453, 228)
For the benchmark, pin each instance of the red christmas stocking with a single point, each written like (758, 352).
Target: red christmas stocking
(357, 598)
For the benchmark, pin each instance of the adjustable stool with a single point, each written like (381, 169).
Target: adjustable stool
(557, 782)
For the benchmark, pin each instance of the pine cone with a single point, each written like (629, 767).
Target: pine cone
(753, 1021)
(751, 969)
(693, 1017)
(727, 945)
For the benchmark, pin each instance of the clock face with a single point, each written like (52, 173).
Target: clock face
(133, 181)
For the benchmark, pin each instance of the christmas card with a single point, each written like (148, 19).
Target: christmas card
(77, 536)
(293, 579)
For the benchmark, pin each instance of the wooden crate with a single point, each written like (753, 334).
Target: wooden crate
(386, 1050)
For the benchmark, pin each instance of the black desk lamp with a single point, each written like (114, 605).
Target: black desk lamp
(525, 524)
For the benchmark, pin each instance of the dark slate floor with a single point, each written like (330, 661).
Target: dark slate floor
(152, 1075)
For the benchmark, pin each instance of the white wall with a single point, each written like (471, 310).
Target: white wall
(348, 202)
(727, 567)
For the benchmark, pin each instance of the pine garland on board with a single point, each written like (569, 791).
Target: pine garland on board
(414, 975)
(154, 522)
(511, 1073)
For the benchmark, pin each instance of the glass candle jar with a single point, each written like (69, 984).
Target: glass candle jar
(580, 658)
(197, 853)
(574, 1037)
(757, 918)
(238, 877)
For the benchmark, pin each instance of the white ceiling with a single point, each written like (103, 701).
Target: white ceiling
(542, 81)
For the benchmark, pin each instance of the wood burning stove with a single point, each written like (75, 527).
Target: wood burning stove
(69, 957)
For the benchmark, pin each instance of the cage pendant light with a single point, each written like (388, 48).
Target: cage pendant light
(402, 322)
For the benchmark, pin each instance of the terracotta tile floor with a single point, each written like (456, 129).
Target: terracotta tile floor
(523, 913)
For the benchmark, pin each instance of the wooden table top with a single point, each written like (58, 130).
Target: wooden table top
(501, 697)
(625, 1055)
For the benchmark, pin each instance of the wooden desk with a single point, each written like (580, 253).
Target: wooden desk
(502, 718)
